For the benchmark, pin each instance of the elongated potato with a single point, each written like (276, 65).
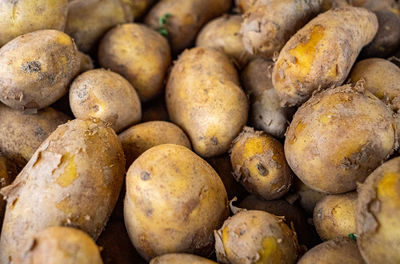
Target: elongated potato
(60, 245)
(321, 54)
(181, 258)
(73, 179)
(378, 215)
(139, 54)
(23, 16)
(174, 200)
(36, 69)
(204, 98)
(184, 18)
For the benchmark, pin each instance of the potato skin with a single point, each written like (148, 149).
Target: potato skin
(338, 137)
(60, 245)
(24, 16)
(181, 258)
(187, 18)
(378, 214)
(21, 134)
(321, 54)
(68, 181)
(105, 95)
(259, 164)
(255, 237)
(204, 98)
(36, 69)
(139, 138)
(173, 193)
(124, 46)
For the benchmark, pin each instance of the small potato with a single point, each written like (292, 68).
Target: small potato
(155, 110)
(260, 165)
(334, 216)
(86, 62)
(74, 178)
(139, 54)
(223, 34)
(181, 20)
(37, 68)
(140, 7)
(308, 197)
(23, 16)
(321, 54)
(204, 98)
(378, 215)
(337, 251)
(181, 258)
(60, 245)
(372, 4)
(338, 137)
(255, 237)
(139, 138)
(174, 200)
(107, 96)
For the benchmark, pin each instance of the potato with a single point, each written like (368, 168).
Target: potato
(329, 4)
(37, 68)
(181, 20)
(6, 178)
(23, 16)
(381, 77)
(139, 138)
(268, 25)
(89, 20)
(337, 251)
(174, 201)
(255, 237)
(180, 258)
(223, 34)
(321, 54)
(155, 110)
(60, 245)
(21, 133)
(204, 98)
(139, 54)
(372, 4)
(266, 113)
(105, 95)
(334, 216)
(378, 215)
(86, 62)
(140, 7)
(74, 178)
(307, 197)
(338, 137)
(244, 5)
(259, 164)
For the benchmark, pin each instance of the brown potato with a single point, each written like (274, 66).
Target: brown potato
(181, 258)
(140, 7)
(6, 177)
(139, 54)
(372, 4)
(37, 68)
(86, 62)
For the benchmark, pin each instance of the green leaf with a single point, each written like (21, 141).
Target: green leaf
(163, 31)
(353, 236)
(163, 19)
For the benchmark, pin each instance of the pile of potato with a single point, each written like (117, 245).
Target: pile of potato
(199, 131)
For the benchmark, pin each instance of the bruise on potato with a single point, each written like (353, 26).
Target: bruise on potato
(174, 201)
(378, 214)
(180, 258)
(338, 137)
(321, 54)
(69, 181)
(37, 68)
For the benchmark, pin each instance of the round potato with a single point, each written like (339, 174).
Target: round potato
(37, 68)
(259, 164)
(139, 54)
(338, 137)
(255, 237)
(181, 258)
(23, 16)
(174, 201)
(60, 245)
(107, 96)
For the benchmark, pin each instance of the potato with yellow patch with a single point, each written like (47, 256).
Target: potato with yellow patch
(174, 201)
(321, 54)
(204, 98)
(338, 137)
(23, 16)
(334, 216)
(260, 165)
(139, 138)
(60, 245)
(378, 215)
(139, 54)
(37, 68)
(181, 258)
(107, 96)
(74, 179)
(255, 237)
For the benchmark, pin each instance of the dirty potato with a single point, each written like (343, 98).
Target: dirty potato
(181, 258)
